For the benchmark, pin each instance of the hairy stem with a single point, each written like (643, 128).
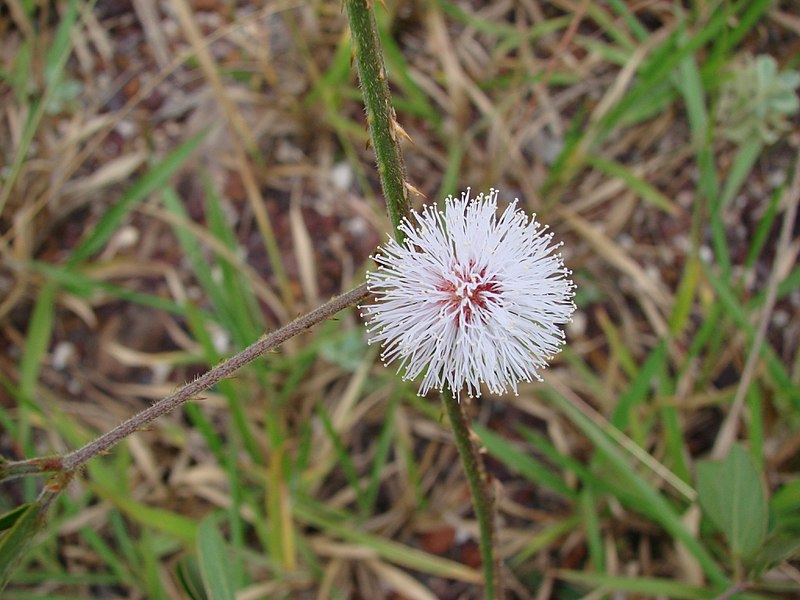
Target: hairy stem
(79, 457)
(479, 489)
(384, 130)
(381, 118)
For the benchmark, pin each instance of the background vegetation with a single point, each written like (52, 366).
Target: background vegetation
(179, 177)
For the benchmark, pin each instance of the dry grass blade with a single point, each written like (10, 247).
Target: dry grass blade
(304, 249)
(624, 441)
(399, 581)
(210, 70)
(654, 297)
(785, 259)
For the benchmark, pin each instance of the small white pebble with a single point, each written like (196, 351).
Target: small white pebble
(62, 353)
(341, 176)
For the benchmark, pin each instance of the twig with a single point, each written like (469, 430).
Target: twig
(74, 460)
(77, 458)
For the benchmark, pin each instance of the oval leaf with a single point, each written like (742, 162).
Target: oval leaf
(732, 495)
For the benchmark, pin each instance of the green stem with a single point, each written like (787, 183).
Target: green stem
(383, 131)
(381, 117)
(479, 489)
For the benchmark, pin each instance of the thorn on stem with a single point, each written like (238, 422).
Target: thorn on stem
(399, 129)
(411, 188)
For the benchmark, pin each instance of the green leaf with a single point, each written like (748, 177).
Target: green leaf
(214, 562)
(732, 495)
(8, 519)
(188, 573)
(772, 553)
(16, 540)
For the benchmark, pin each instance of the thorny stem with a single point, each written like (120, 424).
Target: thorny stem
(384, 130)
(74, 460)
(225, 369)
(381, 117)
(479, 489)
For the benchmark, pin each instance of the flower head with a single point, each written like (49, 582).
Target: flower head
(468, 298)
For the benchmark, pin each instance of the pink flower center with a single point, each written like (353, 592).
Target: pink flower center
(469, 292)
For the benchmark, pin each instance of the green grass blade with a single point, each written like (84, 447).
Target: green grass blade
(761, 234)
(738, 313)
(684, 297)
(155, 179)
(37, 342)
(591, 524)
(690, 84)
(214, 561)
(650, 587)
(81, 284)
(240, 300)
(743, 162)
(121, 571)
(636, 392)
(343, 458)
(382, 450)
(566, 463)
(622, 9)
(201, 268)
(523, 463)
(655, 505)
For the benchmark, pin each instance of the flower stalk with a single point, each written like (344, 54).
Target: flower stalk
(480, 490)
(384, 133)
(381, 118)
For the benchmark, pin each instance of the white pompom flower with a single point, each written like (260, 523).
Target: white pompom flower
(470, 299)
